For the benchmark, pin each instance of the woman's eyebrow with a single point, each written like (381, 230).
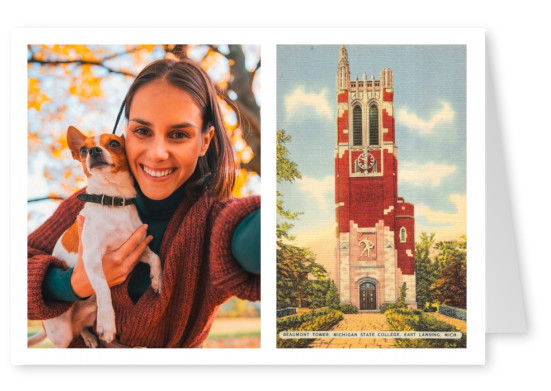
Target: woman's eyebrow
(140, 121)
(183, 125)
(175, 126)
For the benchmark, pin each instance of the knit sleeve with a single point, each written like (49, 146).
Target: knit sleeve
(40, 245)
(227, 274)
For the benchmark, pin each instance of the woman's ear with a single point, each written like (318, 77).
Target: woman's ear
(206, 139)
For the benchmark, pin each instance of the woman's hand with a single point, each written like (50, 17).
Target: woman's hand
(117, 264)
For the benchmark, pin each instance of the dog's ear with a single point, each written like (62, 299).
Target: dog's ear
(75, 140)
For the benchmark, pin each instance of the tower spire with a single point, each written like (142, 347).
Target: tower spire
(343, 57)
(343, 73)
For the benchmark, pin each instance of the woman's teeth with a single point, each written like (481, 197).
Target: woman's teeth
(159, 173)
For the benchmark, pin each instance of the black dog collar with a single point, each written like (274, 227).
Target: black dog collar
(106, 200)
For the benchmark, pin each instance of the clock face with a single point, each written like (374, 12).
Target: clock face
(366, 161)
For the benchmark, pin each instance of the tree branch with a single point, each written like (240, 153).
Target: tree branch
(45, 198)
(80, 62)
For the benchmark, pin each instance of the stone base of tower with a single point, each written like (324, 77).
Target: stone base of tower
(368, 275)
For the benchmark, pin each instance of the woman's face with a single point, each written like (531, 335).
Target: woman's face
(164, 139)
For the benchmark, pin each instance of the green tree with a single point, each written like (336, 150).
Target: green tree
(401, 302)
(286, 170)
(426, 270)
(294, 264)
(316, 293)
(451, 286)
(332, 298)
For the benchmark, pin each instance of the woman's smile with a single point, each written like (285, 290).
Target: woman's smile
(157, 174)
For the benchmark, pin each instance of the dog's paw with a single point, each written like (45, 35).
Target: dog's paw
(106, 335)
(156, 271)
(156, 282)
(106, 326)
(89, 338)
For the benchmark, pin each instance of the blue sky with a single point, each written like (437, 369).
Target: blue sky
(430, 123)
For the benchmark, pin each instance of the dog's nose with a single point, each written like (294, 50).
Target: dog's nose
(95, 151)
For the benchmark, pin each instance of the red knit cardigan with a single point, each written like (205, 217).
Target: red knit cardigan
(199, 274)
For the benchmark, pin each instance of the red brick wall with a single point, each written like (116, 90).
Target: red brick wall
(405, 262)
(341, 191)
(388, 123)
(342, 97)
(341, 125)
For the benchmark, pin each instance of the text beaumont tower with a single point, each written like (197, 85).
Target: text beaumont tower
(375, 251)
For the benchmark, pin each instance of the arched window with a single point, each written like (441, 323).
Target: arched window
(403, 235)
(367, 285)
(357, 125)
(373, 125)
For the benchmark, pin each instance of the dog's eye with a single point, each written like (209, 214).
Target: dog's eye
(83, 151)
(114, 144)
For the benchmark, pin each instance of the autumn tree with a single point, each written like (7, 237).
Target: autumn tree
(451, 286)
(84, 85)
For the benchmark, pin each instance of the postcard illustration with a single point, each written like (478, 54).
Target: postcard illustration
(371, 196)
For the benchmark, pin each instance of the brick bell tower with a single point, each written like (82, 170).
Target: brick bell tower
(375, 251)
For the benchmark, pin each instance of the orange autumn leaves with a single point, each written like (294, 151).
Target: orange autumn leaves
(83, 85)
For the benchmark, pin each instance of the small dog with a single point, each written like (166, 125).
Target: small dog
(110, 218)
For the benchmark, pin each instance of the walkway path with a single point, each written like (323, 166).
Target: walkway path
(358, 322)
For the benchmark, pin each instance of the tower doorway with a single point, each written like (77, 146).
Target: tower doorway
(368, 296)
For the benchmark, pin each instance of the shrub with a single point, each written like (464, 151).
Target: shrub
(415, 320)
(320, 320)
(348, 309)
(430, 307)
(292, 322)
(391, 306)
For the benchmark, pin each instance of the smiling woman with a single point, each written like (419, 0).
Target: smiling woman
(209, 242)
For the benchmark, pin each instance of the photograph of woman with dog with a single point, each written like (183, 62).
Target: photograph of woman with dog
(179, 163)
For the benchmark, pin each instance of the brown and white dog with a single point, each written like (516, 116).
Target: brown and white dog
(110, 217)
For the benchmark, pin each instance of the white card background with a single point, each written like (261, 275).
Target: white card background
(512, 50)
(268, 354)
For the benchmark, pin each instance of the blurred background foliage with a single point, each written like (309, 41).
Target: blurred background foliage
(84, 86)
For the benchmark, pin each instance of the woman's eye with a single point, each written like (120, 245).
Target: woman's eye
(114, 144)
(141, 132)
(83, 151)
(178, 135)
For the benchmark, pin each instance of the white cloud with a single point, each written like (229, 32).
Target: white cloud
(445, 115)
(299, 99)
(320, 191)
(454, 224)
(425, 174)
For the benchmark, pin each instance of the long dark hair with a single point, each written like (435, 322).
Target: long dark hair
(216, 169)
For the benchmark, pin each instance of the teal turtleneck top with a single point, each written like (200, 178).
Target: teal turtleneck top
(156, 214)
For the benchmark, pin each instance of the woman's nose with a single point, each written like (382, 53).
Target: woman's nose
(158, 149)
